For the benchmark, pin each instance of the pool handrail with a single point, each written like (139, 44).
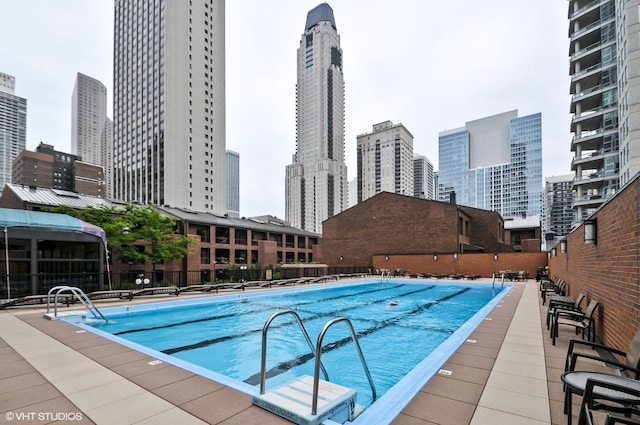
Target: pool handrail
(263, 359)
(316, 382)
(79, 294)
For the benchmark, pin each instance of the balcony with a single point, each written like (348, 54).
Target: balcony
(590, 160)
(587, 13)
(591, 119)
(591, 140)
(589, 77)
(595, 180)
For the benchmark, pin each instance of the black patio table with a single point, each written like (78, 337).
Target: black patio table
(576, 381)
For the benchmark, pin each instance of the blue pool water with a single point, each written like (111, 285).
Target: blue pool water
(406, 329)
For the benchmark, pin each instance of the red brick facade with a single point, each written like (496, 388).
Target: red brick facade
(608, 271)
(389, 224)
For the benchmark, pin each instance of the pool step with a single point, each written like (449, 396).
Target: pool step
(292, 400)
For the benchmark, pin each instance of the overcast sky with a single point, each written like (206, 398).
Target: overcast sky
(428, 64)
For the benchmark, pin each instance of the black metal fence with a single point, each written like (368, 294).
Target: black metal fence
(22, 285)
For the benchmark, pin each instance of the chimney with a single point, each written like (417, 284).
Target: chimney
(452, 197)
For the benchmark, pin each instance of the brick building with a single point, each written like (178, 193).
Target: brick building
(48, 168)
(392, 224)
(241, 241)
(220, 240)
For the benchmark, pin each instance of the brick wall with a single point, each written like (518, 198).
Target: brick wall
(483, 264)
(608, 271)
(390, 224)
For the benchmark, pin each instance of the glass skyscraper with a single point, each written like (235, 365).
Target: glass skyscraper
(494, 163)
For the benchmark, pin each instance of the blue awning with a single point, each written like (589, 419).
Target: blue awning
(49, 221)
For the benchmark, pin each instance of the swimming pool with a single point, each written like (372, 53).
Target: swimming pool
(407, 329)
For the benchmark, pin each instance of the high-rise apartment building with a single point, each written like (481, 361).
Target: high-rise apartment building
(557, 208)
(169, 103)
(385, 161)
(233, 184)
(13, 126)
(595, 83)
(494, 163)
(423, 178)
(91, 130)
(316, 180)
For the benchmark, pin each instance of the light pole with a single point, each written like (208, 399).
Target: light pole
(242, 269)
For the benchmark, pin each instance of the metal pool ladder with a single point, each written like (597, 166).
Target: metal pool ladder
(79, 294)
(354, 337)
(263, 359)
(342, 406)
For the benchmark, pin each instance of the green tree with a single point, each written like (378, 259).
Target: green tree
(124, 227)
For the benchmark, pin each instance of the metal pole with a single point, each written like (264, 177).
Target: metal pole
(6, 260)
(106, 256)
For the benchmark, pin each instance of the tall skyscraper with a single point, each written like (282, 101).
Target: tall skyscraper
(316, 181)
(385, 161)
(233, 184)
(13, 126)
(423, 178)
(597, 86)
(169, 103)
(91, 130)
(558, 214)
(494, 163)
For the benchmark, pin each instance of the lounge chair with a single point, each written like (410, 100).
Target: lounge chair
(115, 293)
(580, 321)
(553, 289)
(575, 381)
(36, 299)
(597, 408)
(200, 288)
(631, 356)
(557, 302)
(173, 290)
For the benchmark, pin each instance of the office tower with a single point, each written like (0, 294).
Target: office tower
(558, 214)
(423, 178)
(169, 103)
(233, 184)
(13, 126)
(385, 161)
(494, 163)
(49, 168)
(91, 130)
(316, 181)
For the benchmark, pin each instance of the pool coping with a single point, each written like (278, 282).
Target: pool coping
(215, 403)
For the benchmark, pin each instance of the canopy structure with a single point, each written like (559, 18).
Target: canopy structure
(50, 221)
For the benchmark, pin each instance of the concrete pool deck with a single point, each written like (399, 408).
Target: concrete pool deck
(507, 372)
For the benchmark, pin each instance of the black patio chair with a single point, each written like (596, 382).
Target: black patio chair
(599, 405)
(559, 302)
(580, 321)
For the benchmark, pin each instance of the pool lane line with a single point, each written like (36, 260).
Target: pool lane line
(208, 342)
(238, 314)
(300, 360)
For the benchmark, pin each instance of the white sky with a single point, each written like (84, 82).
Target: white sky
(431, 65)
